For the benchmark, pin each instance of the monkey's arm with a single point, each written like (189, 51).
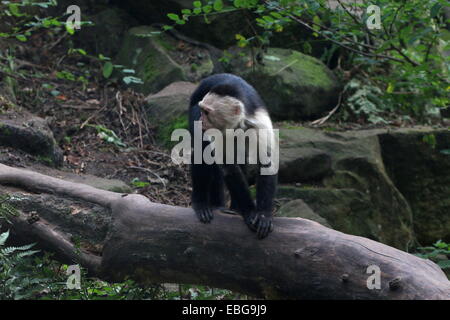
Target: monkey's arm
(201, 182)
(261, 220)
(202, 176)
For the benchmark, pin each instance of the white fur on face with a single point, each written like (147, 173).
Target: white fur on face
(223, 112)
(266, 140)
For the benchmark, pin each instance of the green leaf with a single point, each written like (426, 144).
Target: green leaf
(434, 11)
(21, 37)
(268, 18)
(197, 4)
(80, 51)
(14, 9)
(173, 16)
(69, 29)
(237, 3)
(47, 86)
(276, 15)
(108, 68)
(207, 9)
(131, 79)
(440, 244)
(103, 58)
(218, 5)
(390, 88)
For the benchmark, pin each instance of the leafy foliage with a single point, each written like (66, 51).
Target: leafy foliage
(403, 56)
(26, 275)
(12, 284)
(439, 253)
(364, 101)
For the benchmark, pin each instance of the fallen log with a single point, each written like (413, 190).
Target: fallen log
(301, 259)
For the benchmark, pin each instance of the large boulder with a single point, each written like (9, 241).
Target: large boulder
(158, 59)
(168, 109)
(347, 210)
(390, 185)
(292, 84)
(303, 164)
(350, 188)
(170, 103)
(421, 171)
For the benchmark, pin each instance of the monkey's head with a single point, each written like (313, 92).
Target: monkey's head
(221, 111)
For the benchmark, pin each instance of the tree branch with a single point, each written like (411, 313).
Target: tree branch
(301, 259)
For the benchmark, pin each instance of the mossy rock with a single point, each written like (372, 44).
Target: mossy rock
(356, 195)
(156, 60)
(292, 84)
(168, 109)
(165, 131)
(404, 173)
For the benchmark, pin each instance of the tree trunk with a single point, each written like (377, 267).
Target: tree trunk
(300, 259)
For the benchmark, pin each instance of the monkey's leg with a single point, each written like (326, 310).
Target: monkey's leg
(234, 205)
(236, 182)
(202, 175)
(261, 220)
(216, 190)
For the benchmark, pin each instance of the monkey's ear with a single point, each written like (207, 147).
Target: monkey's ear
(205, 107)
(237, 110)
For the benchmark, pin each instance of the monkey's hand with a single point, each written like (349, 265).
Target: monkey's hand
(261, 223)
(203, 212)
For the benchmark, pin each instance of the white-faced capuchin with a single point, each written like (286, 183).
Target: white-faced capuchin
(226, 101)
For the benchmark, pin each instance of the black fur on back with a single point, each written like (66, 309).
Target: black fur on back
(226, 84)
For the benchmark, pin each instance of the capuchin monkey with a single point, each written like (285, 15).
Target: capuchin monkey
(225, 101)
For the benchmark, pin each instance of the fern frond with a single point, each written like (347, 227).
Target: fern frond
(21, 255)
(3, 237)
(9, 250)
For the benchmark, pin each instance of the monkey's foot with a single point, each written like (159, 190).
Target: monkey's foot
(204, 213)
(260, 223)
